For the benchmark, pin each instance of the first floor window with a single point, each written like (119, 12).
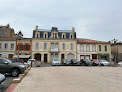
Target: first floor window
(12, 46)
(71, 46)
(0, 46)
(37, 45)
(52, 45)
(45, 45)
(6, 46)
(87, 48)
(63, 46)
(94, 47)
(81, 47)
(99, 47)
(105, 47)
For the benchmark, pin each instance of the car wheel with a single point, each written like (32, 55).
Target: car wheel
(15, 72)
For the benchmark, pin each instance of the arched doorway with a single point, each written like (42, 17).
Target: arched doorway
(37, 57)
(70, 56)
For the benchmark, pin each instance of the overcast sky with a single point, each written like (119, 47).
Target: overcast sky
(92, 19)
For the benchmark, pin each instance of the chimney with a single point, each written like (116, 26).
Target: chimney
(73, 29)
(36, 27)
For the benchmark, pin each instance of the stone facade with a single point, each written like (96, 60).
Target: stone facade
(92, 49)
(54, 43)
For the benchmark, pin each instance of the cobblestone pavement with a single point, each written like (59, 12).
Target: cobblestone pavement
(72, 79)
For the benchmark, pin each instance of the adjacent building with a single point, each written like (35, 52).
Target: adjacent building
(23, 48)
(116, 50)
(54, 43)
(7, 41)
(92, 49)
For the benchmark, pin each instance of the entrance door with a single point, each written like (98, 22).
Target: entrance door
(10, 56)
(62, 57)
(38, 57)
(70, 56)
(45, 57)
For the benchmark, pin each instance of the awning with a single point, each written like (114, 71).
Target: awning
(21, 56)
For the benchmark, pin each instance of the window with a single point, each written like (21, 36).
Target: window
(81, 47)
(63, 36)
(6, 46)
(56, 45)
(63, 46)
(105, 47)
(55, 35)
(12, 46)
(45, 35)
(52, 45)
(87, 47)
(27, 47)
(71, 36)
(45, 45)
(94, 47)
(37, 35)
(37, 45)
(0, 55)
(71, 46)
(99, 47)
(0, 46)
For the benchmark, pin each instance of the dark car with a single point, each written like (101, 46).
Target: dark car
(75, 62)
(86, 62)
(6, 66)
(95, 62)
(66, 62)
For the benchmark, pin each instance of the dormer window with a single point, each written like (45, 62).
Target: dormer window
(63, 36)
(45, 35)
(37, 35)
(71, 36)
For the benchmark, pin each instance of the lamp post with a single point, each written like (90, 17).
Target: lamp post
(19, 36)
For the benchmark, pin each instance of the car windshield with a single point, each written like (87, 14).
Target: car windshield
(8, 60)
(56, 59)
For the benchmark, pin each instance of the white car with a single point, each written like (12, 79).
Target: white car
(29, 61)
(2, 78)
(104, 63)
(120, 63)
(55, 61)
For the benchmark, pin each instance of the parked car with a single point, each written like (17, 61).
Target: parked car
(16, 60)
(86, 62)
(95, 62)
(120, 63)
(6, 66)
(55, 61)
(30, 60)
(75, 62)
(66, 62)
(2, 79)
(104, 63)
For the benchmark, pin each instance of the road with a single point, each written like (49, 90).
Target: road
(72, 79)
(7, 83)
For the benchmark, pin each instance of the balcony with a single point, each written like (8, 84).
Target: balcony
(54, 50)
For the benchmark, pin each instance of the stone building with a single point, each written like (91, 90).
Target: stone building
(54, 43)
(92, 49)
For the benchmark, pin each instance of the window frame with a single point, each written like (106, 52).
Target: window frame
(99, 47)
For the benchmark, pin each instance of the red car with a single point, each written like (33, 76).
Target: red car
(95, 62)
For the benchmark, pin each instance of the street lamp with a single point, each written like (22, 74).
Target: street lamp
(19, 36)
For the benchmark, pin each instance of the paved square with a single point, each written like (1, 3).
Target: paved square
(72, 79)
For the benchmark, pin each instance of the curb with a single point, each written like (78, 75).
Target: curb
(21, 76)
(17, 81)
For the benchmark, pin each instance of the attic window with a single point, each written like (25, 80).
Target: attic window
(45, 36)
(71, 36)
(37, 35)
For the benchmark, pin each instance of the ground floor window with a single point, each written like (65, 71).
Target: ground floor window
(54, 55)
(94, 56)
(70, 56)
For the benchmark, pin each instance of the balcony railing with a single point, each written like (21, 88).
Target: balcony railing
(54, 50)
